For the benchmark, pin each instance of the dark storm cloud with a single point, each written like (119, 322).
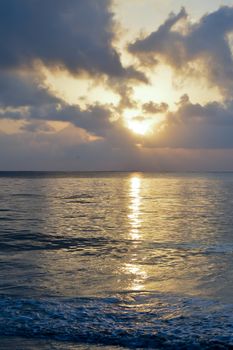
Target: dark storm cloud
(206, 40)
(20, 90)
(74, 34)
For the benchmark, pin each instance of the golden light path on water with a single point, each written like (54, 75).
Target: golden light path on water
(135, 233)
(136, 240)
(134, 207)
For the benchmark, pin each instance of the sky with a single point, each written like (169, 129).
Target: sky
(136, 85)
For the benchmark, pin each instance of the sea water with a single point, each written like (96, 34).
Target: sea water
(116, 260)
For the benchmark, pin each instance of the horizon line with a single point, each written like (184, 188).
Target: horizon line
(115, 171)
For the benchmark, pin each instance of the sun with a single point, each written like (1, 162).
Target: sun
(135, 123)
(139, 127)
(142, 125)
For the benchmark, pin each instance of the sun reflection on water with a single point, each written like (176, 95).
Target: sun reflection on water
(133, 266)
(134, 207)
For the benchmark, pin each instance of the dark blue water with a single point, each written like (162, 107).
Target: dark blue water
(116, 260)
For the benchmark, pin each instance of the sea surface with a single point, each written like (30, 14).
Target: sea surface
(116, 261)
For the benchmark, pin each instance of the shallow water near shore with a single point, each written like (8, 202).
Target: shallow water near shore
(116, 260)
(47, 344)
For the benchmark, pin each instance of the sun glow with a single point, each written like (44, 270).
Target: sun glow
(142, 125)
(139, 127)
(137, 124)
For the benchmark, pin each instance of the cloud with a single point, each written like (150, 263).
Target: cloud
(205, 41)
(70, 149)
(76, 35)
(19, 89)
(163, 42)
(95, 119)
(23, 97)
(154, 108)
(193, 126)
(37, 126)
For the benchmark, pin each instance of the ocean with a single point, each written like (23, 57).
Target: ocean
(107, 260)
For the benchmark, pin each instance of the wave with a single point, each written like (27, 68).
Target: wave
(132, 320)
(26, 240)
